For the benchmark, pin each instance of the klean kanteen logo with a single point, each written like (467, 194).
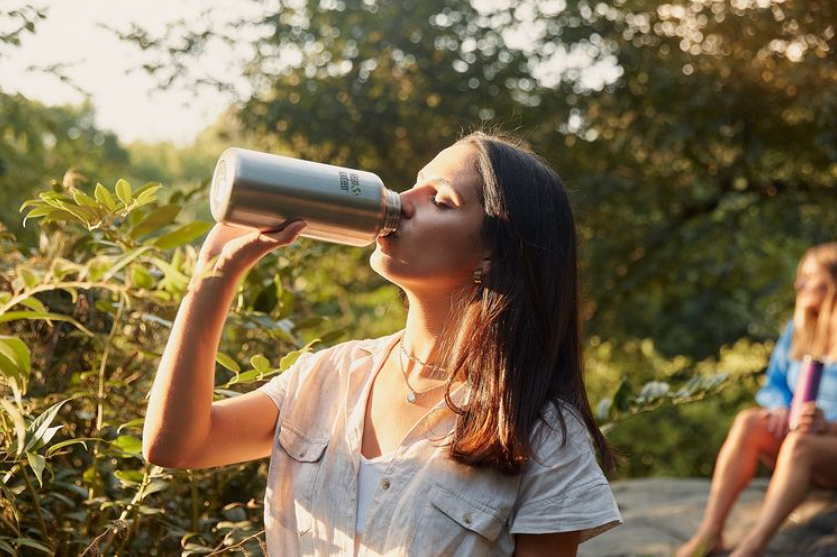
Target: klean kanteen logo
(349, 183)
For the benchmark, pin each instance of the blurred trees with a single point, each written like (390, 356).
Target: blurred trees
(700, 147)
(707, 168)
(40, 143)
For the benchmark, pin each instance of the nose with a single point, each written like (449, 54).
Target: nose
(799, 284)
(408, 204)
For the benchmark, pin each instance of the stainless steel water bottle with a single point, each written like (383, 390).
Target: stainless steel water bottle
(342, 205)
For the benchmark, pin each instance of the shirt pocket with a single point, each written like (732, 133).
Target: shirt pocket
(301, 460)
(455, 524)
(299, 446)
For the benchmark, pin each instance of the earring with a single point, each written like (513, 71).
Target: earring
(478, 276)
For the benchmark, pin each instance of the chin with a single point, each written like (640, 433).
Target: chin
(383, 264)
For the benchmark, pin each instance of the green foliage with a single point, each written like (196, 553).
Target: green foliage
(84, 320)
(38, 143)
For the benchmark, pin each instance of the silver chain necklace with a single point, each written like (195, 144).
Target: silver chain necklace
(414, 395)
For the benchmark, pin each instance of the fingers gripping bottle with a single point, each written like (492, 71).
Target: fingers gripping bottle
(807, 388)
(341, 205)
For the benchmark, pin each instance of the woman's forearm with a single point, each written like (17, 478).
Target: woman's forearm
(179, 412)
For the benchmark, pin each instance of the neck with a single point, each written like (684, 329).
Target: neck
(425, 329)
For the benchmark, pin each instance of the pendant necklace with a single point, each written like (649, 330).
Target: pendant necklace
(414, 395)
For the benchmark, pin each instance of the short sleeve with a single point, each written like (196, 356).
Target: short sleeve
(277, 387)
(775, 393)
(563, 489)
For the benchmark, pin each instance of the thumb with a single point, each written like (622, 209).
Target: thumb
(287, 234)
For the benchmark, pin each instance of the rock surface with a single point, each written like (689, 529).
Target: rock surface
(661, 513)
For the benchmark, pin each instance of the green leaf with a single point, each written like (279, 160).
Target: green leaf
(18, 353)
(19, 423)
(250, 376)
(33, 303)
(32, 203)
(29, 278)
(82, 198)
(133, 423)
(104, 197)
(7, 548)
(33, 544)
(194, 549)
(130, 478)
(128, 444)
(155, 220)
(141, 278)
(123, 191)
(72, 292)
(39, 428)
(54, 199)
(58, 215)
(84, 214)
(39, 212)
(12, 372)
(260, 363)
(291, 357)
(66, 443)
(154, 487)
(621, 399)
(146, 195)
(37, 463)
(47, 316)
(124, 260)
(183, 235)
(227, 362)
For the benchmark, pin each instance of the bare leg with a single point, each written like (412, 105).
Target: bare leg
(748, 439)
(804, 458)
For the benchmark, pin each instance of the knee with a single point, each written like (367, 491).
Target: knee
(748, 420)
(796, 448)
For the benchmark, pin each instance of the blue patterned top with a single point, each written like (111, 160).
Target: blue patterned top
(782, 373)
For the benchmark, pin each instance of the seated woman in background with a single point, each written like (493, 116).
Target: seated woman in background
(801, 457)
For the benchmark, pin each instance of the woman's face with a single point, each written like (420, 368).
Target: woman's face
(437, 245)
(811, 285)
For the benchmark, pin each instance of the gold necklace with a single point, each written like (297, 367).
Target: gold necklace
(413, 395)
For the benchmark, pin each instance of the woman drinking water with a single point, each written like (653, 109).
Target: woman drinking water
(468, 432)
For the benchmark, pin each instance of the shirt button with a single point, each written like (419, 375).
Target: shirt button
(467, 519)
(385, 484)
(302, 454)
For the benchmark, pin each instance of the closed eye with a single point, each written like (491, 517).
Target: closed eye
(440, 204)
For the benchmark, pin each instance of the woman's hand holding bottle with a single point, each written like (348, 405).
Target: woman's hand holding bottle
(233, 250)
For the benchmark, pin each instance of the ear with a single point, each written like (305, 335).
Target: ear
(485, 262)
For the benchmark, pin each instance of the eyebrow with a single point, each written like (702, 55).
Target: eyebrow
(446, 185)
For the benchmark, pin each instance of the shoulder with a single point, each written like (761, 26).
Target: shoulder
(787, 330)
(560, 440)
(783, 344)
(562, 486)
(339, 359)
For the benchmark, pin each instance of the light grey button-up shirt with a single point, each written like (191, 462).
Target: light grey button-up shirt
(425, 503)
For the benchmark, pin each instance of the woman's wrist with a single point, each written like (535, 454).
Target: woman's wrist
(210, 272)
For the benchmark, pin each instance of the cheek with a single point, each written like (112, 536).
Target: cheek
(460, 246)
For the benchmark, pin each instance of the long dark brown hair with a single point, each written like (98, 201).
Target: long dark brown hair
(518, 336)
